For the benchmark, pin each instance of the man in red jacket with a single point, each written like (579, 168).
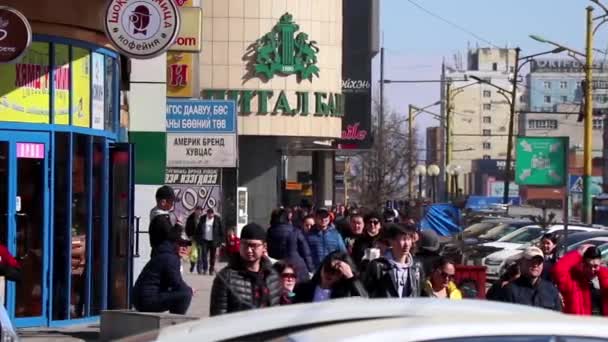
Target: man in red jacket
(583, 282)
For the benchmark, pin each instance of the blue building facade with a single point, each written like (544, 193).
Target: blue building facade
(555, 82)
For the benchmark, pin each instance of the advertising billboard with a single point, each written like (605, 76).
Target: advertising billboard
(81, 78)
(194, 187)
(541, 161)
(61, 68)
(98, 86)
(24, 87)
(356, 75)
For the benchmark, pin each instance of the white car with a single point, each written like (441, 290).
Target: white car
(513, 245)
(361, 319)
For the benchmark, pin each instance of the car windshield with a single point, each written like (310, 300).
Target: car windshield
(522, 235)
(477, 229)
(499, 231)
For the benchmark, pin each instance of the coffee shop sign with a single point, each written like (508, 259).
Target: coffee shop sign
(277, 102)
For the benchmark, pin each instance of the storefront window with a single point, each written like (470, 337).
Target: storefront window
(98, 224)
(24, 87)
(81, 95)
(61, 82)
(109, 95)
(61, 232)
(80, 221)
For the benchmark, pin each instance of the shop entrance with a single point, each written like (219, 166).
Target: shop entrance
(24, 206)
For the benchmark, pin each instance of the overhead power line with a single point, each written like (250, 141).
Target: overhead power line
(451, 23)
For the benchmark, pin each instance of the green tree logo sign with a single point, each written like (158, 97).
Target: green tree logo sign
(278, 52)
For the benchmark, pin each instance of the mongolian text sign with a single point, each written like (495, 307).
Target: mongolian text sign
(201, 116)
(180, 74)
(194, 187)
(201, 150)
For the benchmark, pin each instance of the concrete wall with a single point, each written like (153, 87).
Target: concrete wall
(260, 162)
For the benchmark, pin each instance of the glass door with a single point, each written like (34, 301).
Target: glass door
(121, 237)
(25, 205)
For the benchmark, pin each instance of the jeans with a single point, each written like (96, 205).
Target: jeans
(206, 262)
(176, 302)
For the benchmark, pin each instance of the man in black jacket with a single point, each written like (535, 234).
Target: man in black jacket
(249, 281)
(396, 274)
(530, 288)
(164, 225)
(209, 236)
(160, 286)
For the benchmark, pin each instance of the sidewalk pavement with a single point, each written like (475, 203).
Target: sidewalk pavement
(198, 308)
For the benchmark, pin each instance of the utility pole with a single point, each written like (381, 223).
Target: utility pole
(587, 156)
(410, 152)
(508, 174)
(448, 138)
(381, 123)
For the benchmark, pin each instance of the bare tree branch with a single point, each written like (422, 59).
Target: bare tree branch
(373, 188)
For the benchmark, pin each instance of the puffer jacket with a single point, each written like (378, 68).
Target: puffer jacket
(323, 242)
(569, 278)
(232, 289)
(285, 242)
(161, 274)
(379, 279)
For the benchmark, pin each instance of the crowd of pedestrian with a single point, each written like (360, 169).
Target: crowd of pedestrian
(308, 254)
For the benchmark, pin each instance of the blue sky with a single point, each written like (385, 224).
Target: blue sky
(416, 42)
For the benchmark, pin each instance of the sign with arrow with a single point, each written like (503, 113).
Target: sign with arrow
(541, 161)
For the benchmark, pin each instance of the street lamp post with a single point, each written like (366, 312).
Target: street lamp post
(420, 171)
(412, 111)
(449, 105)
(433, 171)
(454, 171)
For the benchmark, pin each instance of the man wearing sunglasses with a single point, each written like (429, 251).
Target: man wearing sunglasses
(249, 281)
(367, 240)
(530, 288)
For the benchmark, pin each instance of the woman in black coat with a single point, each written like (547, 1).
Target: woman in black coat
(286, 242)
(336, 278)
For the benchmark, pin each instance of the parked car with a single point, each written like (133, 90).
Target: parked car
(578, 237)
(416, 319)
(456, 249)
(519, 240)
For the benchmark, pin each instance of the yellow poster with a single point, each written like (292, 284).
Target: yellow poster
(24, 87)
(62, 84)
(81, 77)
(179, 74)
